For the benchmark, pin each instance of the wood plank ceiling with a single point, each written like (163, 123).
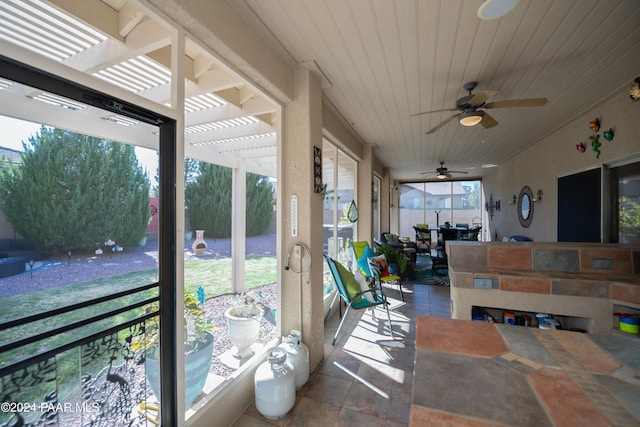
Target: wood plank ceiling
(384, 61)
(381, 61)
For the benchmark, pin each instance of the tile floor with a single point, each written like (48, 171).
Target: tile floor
(366, 379)
(526, 377)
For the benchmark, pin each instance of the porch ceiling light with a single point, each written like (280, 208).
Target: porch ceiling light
(441, 176)
(494, 9)
(471, 118)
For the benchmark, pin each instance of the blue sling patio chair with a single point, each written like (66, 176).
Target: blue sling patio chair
(354, 297)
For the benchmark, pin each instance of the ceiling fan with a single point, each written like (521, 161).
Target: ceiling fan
(442, 172)
(469, 107)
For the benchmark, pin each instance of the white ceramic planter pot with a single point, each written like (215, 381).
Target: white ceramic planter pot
(243, 324)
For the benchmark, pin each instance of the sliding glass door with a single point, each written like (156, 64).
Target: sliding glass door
(437, 203)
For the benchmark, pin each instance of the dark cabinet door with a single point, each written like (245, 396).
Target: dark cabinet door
(579, 207)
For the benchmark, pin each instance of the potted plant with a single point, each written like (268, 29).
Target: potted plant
(198, 347)
(243, 322)
(394, 256)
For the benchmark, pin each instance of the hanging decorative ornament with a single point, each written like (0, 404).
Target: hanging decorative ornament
(634, 93)
(595, 143)
(608, 134)
(317, 170)
(595, 125)
(581, 147)
(352, 214)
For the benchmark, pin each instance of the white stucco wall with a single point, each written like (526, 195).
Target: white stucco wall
(555, 156)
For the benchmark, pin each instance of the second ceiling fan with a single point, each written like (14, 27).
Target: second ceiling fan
(471, 108)
(442, 172)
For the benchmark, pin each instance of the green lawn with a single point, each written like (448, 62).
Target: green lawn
(213, 275)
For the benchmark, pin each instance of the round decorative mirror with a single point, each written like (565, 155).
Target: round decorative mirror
(525, 206)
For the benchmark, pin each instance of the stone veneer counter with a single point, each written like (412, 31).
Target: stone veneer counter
(477, 374)
(585, 281)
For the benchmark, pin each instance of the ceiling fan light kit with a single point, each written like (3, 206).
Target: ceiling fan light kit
(471, 118)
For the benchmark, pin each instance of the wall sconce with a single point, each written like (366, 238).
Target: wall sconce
(492, 206)
(513, 200)
(538, 199)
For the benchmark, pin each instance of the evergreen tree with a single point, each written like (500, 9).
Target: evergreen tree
(259, 204)
(208, 199)
(74, 191)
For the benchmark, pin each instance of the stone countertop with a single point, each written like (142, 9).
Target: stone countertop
(482, 374)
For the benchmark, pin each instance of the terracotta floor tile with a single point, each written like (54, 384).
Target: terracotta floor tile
(509, 356)
(328, 389)
(311, 413)
(421, 417)
(368, 400)
(399, 407)
(459, 337)
(529, 363)
(585, 351)
(350, 418)
(625, 348)
(565, 401)
(339, 367)
(523, 342)
(383, 376)
(625, 393)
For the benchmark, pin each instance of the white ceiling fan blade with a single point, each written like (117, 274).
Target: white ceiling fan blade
(434, 111)
(488, 121)
(432, 130)
(509, 103)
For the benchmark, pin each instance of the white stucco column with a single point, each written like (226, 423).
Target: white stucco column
(385, 201)
(238, 226)
(301, 294)
(365, 200)
(177, 101)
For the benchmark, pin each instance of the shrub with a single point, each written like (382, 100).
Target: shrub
(259, 204)
(208, 200)
(74, 191)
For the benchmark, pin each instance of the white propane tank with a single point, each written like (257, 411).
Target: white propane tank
(275, 385)
(298, 356)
